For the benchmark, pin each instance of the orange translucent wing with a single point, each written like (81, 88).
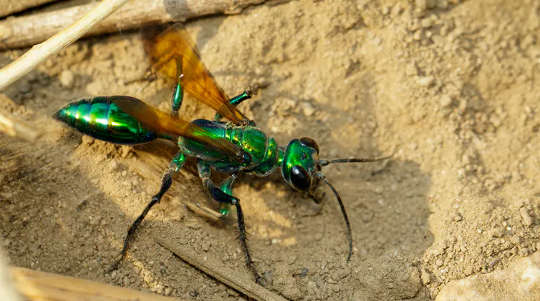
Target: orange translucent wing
(163, 123)
(174, 45)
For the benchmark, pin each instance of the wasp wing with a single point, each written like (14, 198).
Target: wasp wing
(164, 123)
(174, 46)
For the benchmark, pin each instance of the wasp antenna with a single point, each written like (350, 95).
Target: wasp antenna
(349, 231)
(353, 160)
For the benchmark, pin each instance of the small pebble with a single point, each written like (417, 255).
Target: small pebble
(417, 35)
(425, 277)
(445, 101)
(411, 70)
(67, 78)
(421, 5)
(427, 23)
(267, 275)
(443, 4)
(425, 80)
(113, 165)
(495, 120)
(206, 245)
(308, 108)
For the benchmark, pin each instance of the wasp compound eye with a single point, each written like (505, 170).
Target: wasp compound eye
(300, 178)
(310, 142)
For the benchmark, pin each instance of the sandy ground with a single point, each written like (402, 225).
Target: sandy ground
(452, 86)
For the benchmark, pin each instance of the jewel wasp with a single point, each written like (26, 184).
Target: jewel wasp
(232, 147)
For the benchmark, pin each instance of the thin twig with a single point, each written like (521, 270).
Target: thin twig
(204, 211)
(34, 285)
(13, 126)
(13, 6)
(40, 52)
(236, 281)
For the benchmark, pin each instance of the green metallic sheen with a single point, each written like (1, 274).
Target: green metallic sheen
(178, 161)
(271, 159)
(251, 140)
(263, 150)
(224, 209)
(238, 99)
(281, 156)
(102, 119)
(226, 187)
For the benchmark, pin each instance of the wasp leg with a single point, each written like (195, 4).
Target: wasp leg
(226, 186)
(166, 182)
(236, 101)
(225, 198)
(178, 94)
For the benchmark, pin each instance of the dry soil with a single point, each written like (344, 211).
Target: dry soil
(452, 87)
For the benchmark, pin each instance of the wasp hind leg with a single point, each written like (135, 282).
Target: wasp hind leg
(166, 182)
(224, 196)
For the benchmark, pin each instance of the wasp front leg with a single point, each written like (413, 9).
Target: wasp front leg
(166, 182)
(226, 198)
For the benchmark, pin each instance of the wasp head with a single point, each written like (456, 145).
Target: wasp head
(301, 169)
(300, 164)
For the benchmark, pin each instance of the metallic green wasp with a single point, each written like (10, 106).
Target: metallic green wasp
(232, 147)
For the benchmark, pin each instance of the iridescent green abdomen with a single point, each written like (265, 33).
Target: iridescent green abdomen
(102, 119)
(263, 150)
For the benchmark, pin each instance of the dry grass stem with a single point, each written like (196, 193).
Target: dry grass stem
(34, 285)
(41, 52)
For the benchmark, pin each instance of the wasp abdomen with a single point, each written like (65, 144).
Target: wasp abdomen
(101, 118)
